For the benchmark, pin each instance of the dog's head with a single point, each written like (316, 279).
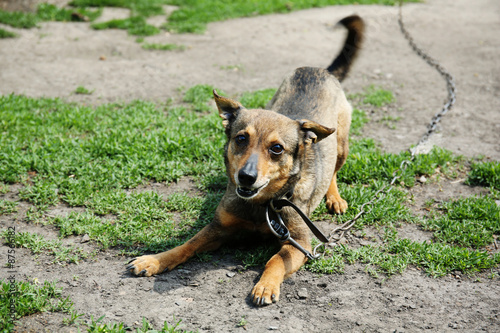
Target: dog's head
(265, 150)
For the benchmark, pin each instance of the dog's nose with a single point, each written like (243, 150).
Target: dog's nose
(247, 175)
(247, 178)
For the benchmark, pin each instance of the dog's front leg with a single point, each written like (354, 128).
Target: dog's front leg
(287, 261)
(210, 238)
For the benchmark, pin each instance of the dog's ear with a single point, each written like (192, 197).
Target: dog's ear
(228, 108)
(314, 132)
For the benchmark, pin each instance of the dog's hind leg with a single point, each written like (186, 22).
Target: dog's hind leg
(334, 201)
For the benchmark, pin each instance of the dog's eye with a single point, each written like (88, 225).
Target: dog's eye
(276, 149)
(240, 139)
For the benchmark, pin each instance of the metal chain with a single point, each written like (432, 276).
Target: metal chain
(339, 232)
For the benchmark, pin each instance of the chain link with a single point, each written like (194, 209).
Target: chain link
(337, 234)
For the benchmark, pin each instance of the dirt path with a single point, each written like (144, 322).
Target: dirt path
(463, 35)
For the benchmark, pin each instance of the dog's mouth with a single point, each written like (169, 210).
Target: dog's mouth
(249, 193)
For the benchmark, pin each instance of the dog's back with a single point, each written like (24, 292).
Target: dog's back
(315, 94)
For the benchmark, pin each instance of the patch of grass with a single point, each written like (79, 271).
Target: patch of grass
(144, 221)
(377, 97)
(81, 90)
(135, 25)
(390, 121)
(257, 99)
(4, 188)
(7, 34)
(436, 259)
(193, 16)
(46, 12)
(389, 209)
(78, 151)
(481, 208)
(49, 12)
(96, 326)
(199, 96)
(38, 245)
(468, 222)
(359, 119)
(163, 47)
(440, 259)
(42, 194)
(242, 323)
(137, 7)
(485, 174)
(366, 162)
(7, 207)
(19, 19)
(331, 263)
(27, 298)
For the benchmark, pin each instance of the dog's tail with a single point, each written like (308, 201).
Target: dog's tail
(341, 65)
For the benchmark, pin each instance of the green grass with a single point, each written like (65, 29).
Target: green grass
(144, 221)
(396, 254)
(367, 162)
(390, 209)
(257, 99)
(81, 150)
(135, 25)
(359, 119)
(199, 96)
(38, 245)
(7, 34)
(4, 188)
(377, 97)
(163, 47)
(193, 16)
(96, 326)
(7, 207)
(137, 7)
(439, 259)
(81, 90)
(46, 12)
(485, 174)
(467, 222)
(19, 19)
(27, 298)
(19, 299)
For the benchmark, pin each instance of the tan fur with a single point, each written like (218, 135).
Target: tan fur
(294, 148)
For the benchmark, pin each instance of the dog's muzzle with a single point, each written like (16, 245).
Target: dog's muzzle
(246, 179)
(249, 192)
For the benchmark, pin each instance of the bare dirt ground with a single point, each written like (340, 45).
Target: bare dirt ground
(213, 297)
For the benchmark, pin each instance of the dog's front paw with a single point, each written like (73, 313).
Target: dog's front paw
(265, 293)
(144, 266)
(336, 205)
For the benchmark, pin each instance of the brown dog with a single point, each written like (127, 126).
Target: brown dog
(285, 151)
